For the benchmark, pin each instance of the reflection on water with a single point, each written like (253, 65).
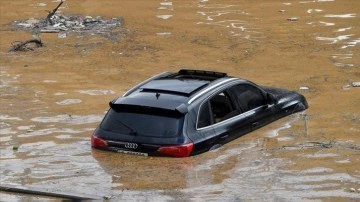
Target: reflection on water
(214, 14)
(345, 41)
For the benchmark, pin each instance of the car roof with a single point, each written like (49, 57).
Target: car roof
(184, 87)
(170, 90)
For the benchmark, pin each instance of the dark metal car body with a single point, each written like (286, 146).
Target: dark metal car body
(190, 112)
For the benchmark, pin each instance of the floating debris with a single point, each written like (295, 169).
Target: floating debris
(163, 33)
(304, 88)
(346, 87)
(29, 45)
(55, 23)
(293, 19)
(164, 17)
(51, 14)
(356, 84)
(69, 23)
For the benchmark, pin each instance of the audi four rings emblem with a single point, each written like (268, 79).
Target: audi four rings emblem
(129, 145)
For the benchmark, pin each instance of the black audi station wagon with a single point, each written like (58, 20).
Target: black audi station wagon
(189, 112)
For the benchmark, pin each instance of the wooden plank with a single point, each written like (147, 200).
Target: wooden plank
(38, 191)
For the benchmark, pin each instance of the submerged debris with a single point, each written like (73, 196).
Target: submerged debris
(355, 84)
(29, 45)
(55, 23)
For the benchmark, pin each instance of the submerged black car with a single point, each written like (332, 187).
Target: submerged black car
(190, 112)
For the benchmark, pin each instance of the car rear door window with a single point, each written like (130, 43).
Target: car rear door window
(218, 108)
(248, 97)
(204, 116)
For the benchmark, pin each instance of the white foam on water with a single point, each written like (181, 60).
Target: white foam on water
(7, 131)
(316, 170)
(343, 161)
(96, 92)
(342, 56)
(319, 155)
(41, 4)
(5, 138)
(70, 119)
(333, 40)
(288, 124)
(49, 131)
(314, 10)
(327, 23)
(339, 64)
(62, 137)
(36, 145)
(344, 29)
(216, 6)
(351, 43)
(164, 17)
(60, 93)
(163, 33)
(166, 3)
(69, 102)
(7, 117)
(284, 139)
(351, 15)
(221, 159)
(7, 153)
(49, 81)
(25, 127)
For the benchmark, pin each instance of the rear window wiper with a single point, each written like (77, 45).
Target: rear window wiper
(132, 130)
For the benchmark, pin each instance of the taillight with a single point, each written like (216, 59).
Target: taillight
(177, 150)
(98, 142)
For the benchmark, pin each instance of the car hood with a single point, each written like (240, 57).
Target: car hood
(287, 96)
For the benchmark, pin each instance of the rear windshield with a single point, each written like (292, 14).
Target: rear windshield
(142, 124)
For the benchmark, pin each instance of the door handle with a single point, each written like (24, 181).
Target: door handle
(255, 124)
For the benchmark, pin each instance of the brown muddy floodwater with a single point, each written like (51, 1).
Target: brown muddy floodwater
(52, 98)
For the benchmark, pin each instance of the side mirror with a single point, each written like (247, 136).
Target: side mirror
(271, 99)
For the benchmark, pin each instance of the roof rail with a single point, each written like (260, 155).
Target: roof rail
(192, 72)
(205, 90)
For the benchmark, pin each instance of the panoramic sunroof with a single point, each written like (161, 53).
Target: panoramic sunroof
(174, 86)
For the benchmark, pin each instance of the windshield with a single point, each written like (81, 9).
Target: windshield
(142, 124)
